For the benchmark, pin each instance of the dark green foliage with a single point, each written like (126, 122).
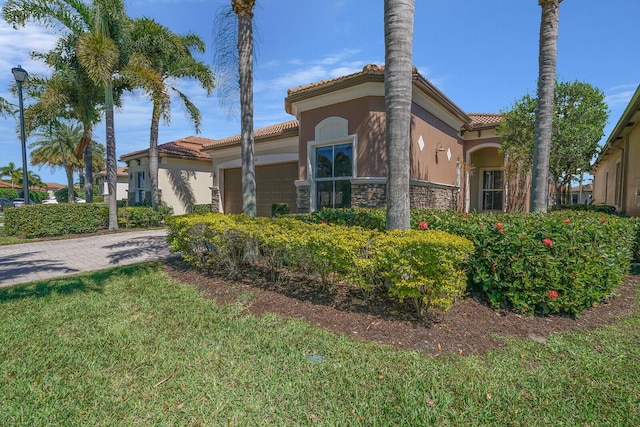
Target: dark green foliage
(38, 196)
(203, 208)
(373, 219)
(558, 262)
(8, 193)
(608, 209)
(279, 209)
(55, 220)
(143, 216)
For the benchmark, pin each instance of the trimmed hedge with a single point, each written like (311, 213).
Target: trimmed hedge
(202, 208)
(74, 218)
(55, 220)
(423, 267)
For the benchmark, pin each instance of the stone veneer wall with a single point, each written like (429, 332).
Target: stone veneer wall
(215, 199)
(303, 200)
(425, 196)
(368, 195)
(374, 195)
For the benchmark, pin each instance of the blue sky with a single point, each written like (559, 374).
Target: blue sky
(481, 54)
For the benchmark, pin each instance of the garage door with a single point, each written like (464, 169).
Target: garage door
(274, 184)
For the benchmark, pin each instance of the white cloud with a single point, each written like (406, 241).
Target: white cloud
(619, 96)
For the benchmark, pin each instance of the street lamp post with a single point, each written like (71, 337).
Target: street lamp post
(20, 75)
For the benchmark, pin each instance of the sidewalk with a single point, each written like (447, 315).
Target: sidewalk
(28, 262)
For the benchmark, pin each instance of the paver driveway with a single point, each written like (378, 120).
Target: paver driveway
(28, 262)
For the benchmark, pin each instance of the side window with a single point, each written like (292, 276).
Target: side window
(492, 190)
(333, 171)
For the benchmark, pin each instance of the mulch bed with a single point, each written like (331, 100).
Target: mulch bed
(467, 328)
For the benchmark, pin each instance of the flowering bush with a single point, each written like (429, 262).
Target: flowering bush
(558, 262)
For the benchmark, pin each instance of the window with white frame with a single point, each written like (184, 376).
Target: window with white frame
(140, 186)
(492, 191)
(333, 171)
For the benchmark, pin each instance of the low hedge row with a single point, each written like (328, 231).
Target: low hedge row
(422, 267)
(55, 220)
(75, 218)
(558, 262)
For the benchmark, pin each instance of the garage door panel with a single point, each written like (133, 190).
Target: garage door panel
(274, 184)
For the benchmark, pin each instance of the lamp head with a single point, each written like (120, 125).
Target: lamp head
(19, 73)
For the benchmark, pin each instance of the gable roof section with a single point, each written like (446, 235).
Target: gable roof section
(277, 131)
(185, 148)
(629, 118)
(484, 120)
(370, 74)
(120, 171)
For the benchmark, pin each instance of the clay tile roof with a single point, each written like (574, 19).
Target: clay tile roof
(5, 184)
(121, 170)
(277, 130)
(186, 147)
(367, 69)
(483, 119)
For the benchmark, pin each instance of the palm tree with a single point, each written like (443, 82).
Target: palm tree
(14, 174)
(57, 148)
(242, 58)
(398, 83)
(98, 27)
(163, 57)
(544, 110)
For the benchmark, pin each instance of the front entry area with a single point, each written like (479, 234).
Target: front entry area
(274, 184)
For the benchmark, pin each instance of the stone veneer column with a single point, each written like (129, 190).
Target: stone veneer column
(425, 195)
(303, 199)
(368, 195)
(215, 198)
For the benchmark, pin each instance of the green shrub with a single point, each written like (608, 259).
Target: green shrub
(55, 220)
(143, 216)
(558, 262)
(590, 208)
(8, 193)
(372, 219)
(279, 209)
(203, 208)
(422, 267)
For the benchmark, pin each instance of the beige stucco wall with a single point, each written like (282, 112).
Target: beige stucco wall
(604, 179)
(632, 174)
(184, 183)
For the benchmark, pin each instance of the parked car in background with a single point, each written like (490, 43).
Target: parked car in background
(4, 202)
(50, 201)
(79, 200)
(20, 202)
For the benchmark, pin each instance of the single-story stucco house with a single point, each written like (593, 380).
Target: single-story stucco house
(122, 183)
(616, 175)
(333, 153)
(184, 175)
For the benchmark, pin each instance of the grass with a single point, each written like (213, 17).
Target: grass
(129, 346)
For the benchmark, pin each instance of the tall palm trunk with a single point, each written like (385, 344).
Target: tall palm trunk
(153, 156)
(244, 11)
(544, 110)
(112, 166)
(398, 83)
(88, 164)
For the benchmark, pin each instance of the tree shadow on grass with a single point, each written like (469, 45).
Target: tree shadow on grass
(86, 282)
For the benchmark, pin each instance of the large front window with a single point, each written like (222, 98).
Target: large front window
(492, 190)
(333, 172)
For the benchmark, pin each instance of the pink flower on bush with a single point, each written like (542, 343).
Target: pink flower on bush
(322, 222)
(603, 219)
(552, 294)
(500, 230)
(566, 221)
(547, 242)
(464, 215)
(423, 225)
(499, 225)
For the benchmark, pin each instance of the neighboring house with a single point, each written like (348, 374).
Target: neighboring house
(184, 175)
(582, 195)
(334, 155)
(122, 183)
(52, 187)
(616, 173)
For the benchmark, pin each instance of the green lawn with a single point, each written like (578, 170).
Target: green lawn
(130, 346)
